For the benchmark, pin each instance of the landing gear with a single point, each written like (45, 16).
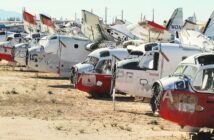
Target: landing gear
(73, 78)
(155, 100)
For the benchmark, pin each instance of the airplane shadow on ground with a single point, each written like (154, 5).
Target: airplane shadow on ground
(108, 98)
(50, 78)
(30, 71)
(61, 86)
(130, 112)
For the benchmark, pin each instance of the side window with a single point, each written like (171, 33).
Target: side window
(150, 61)
(156, 60)
(131, 65)
(179, 70)
(17, 35)
(76, 46)
(104, 54)
(204, 81)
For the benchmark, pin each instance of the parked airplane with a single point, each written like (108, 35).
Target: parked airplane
(136, 76)
(6, 51)
(99, 62)
(9, 51)
(187, 96)
(56, 53)
(4, 35)
(98, 82)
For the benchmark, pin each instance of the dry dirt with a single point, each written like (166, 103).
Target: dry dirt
(40, 106)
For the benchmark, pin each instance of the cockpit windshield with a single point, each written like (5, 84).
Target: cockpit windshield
(187, 70)
(91, 60)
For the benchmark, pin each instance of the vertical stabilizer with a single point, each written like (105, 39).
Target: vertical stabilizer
(175, 23)
(209, 28)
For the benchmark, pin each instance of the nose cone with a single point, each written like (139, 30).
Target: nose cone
(6, 51)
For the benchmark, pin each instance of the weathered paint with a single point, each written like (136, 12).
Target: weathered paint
(94, 83)
(188, 108)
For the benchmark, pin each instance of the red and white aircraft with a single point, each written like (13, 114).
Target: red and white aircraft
(187, 96)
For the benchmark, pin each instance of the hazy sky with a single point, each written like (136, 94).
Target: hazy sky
(132, 8)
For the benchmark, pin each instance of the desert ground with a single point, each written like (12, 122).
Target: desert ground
(40, 106)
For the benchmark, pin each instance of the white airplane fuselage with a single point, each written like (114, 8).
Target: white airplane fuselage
(56, 54)
(138, 80)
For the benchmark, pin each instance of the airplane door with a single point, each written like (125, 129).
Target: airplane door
(124, 80)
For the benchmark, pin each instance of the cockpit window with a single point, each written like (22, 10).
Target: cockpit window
(91, 60)
(138, 53)
(187, 70)
(179, 70)
(104, 67)
(35, 35)
(190, 71)
(148, 47)
(204, 81)
(206, 60)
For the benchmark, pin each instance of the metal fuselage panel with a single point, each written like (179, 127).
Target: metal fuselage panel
(139, 82)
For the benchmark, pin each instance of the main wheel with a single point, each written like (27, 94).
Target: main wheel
(155, 101)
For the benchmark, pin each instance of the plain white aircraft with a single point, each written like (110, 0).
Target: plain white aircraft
(136, 76)
(55, 53)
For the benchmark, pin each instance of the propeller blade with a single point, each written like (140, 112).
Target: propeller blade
(164, 56)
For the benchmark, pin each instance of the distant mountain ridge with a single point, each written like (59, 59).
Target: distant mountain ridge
(4, 14)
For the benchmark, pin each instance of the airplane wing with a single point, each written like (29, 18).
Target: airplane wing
(194, 39)
(150, 31)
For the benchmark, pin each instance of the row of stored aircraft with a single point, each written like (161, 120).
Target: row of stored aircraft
(127, 58)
